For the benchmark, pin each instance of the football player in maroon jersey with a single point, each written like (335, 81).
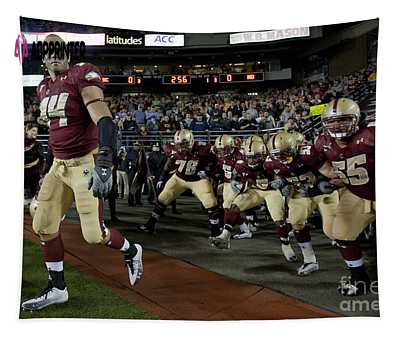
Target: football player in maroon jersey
(194, 164)
(82, 139)
(249, 183)
(292, 162)
(349, 154)
(228, 154)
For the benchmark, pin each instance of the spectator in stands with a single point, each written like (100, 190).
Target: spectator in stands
(199, 124)
(33, 162)
(215, 122)
(188, 119)
(235, 122)
(247, 122)
(122, 173)
(226, 123)
(152, 125)
(129, 123)
(165, 124)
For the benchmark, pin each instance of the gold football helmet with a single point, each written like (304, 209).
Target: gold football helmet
(224, 145)
(298, 137)
(340, 118)
(183, 140)
(253, 138)
(255, 152)
(284, 146)
(265, 137)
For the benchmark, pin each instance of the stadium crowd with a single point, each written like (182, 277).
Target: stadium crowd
(150, 114)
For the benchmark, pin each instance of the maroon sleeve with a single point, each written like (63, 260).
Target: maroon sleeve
(319, 143)
(311, 157)
(368, 134)
(87, 75)
(40, 89)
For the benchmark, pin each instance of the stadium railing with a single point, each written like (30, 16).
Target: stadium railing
(128, 138)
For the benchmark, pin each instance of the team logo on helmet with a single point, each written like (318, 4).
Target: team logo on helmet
(183, 140)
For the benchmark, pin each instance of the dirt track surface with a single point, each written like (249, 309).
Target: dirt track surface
(174, 289)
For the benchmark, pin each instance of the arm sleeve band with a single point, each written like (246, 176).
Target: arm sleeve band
(107, 133)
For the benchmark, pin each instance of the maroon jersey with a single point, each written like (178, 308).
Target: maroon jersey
(169, 149)
(301, 170)
(188, 164)
(72, 132)
(255, 178)
(226, 164)
(355, 163)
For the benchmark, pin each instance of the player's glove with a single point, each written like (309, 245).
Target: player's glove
(286, 190)
(303, 190)
(159, 185)
(101, 179)
(202, 174)
(238, 186)
(326, 187)
(277, 184)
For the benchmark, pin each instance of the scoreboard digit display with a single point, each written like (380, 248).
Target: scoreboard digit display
(176, 79)
(119, 80)
(241, 77)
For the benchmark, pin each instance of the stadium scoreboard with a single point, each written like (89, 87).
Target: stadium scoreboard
(241, 77)
(175, 79)
(121, 80)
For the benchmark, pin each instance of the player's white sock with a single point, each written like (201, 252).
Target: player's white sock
(125, 246)
(308, 252)
(244, 228)
(55, 266)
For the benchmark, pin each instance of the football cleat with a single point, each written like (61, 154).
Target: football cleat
(243, 236)
(222, 241)
(307, 268)
(134, 265)
(253, 227)
(351, 287)
(147, 228)
(289, 253)
(49, 296)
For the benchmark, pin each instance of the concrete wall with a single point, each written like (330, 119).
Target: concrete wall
(348, 57)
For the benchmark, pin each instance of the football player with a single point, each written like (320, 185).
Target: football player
(82, 139)
(349, 154)
(292, 163)
(228, 155)
(250, 184)
(247, 229)
(194, 164)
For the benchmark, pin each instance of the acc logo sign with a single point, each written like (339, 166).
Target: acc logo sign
(164, 40)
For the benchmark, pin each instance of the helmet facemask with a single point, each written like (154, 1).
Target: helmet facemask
(342, 126)
(283, 156)
(254, 160)
(183, 146)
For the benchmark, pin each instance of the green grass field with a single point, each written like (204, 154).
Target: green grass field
(87, 298)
